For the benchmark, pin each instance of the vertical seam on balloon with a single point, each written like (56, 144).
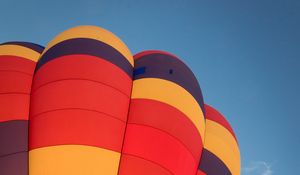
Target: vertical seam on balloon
(124, 135)
(29, 114)
(202, 147)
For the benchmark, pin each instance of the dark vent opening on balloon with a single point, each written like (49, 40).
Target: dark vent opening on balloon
(139, 71)
(171, 71)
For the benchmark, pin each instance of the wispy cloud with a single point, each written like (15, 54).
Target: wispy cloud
(258, 168)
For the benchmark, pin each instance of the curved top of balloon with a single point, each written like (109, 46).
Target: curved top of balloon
(85, 105)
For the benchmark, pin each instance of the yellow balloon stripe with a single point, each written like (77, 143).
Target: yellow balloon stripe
(19, 51)
(73, 160)
(172, 94)
(220, 142)
(93, 32)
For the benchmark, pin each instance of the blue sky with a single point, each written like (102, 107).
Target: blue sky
(245, 54)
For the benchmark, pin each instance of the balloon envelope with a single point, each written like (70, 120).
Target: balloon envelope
(85, 105)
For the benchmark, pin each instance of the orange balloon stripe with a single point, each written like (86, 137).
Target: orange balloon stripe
(214, 115)
(220, 142)
(73, 160)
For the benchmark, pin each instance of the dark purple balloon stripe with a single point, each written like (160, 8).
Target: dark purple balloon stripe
(29, 45)
(14, 164)
(158, 65)
(89, 47)
(13, 137)
(212, 165)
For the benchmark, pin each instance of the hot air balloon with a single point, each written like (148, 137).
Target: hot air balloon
(17, 64)
(85, 105)
(79, 104)
(165, 128)
(221, 153)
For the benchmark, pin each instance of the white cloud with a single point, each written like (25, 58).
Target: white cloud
(258, 168)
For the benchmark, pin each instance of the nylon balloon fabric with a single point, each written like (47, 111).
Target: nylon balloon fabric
(17, 64)
(83, 105)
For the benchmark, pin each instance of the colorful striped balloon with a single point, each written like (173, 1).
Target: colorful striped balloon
(85, 106)
(165, 127)
(221, 153)
(79, 104)
(17, 64)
